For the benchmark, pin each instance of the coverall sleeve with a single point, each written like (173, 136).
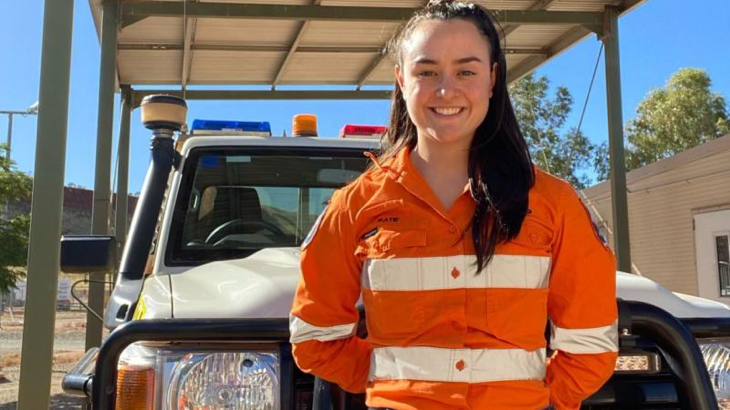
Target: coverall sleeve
(324, 317)
(581, 306)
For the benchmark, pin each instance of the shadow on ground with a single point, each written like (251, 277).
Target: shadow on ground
(58, 402)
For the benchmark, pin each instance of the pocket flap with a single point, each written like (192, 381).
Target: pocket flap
(381, 240)
(402, 239)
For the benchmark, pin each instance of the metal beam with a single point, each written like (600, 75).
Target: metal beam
(538, 5)
(187, 58)
(374, 63)
(568, 39)
(292, 49)
(133, 11)
(537, 17)
(629, 5)
(247, 47)
(46, 207)
(616, 143)
(279, 49)
(289, 54)
(105, 121)
(525, 67)
(120, 214)
(265, 95)
(549, 52)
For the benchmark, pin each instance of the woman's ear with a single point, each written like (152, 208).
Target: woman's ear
(493, 78)
(399, 80)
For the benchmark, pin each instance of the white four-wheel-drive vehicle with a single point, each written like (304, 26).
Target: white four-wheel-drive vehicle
(199, 313)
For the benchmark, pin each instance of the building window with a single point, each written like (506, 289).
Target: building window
(723, 263)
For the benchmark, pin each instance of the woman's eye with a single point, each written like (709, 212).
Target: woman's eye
(467, 73)
(427, 74)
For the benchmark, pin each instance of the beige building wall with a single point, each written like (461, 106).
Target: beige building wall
(663, 197)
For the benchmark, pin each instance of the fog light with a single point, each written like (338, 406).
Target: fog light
(638, 363)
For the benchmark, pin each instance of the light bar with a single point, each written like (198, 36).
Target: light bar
(362, 131)
(638, 363)
(218, 127)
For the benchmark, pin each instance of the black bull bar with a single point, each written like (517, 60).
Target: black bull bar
(675, 338)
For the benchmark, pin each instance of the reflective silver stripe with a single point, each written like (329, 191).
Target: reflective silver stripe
(301, 331)
(437, 273)
(456, 365)
(592, 340)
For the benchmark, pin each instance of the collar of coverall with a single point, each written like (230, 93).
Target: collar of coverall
(401, 169)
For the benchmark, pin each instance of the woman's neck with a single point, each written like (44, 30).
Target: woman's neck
(445, 161)
(444, 167)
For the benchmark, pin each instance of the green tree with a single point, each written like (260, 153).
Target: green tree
(542, 121)
(14, 186)
(681, 115)
(600, 162)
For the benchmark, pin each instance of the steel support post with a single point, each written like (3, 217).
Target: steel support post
(100, 211)
(619, 198)
(120, 216)
(10, 136)
(46, 208)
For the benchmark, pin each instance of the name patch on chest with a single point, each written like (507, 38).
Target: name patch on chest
(388, 219)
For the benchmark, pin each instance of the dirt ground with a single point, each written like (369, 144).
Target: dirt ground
(68, 347)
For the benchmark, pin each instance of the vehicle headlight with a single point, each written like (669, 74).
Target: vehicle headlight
(240, 380)
(717, 359)
(194, 377)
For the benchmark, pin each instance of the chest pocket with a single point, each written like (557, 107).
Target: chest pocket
(534, 234)
(391, 230)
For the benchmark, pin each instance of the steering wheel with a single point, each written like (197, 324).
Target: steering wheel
(224, 229)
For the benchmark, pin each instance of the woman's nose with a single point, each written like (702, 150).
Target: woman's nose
(445, 89)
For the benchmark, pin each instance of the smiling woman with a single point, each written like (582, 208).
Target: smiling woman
(460, 250)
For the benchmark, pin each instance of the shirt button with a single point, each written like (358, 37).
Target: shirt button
(533, 237)
(452, 229)
(457, 325)
(460, 365)
(455, 273)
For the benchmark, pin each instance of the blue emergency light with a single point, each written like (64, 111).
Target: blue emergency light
(206, 126)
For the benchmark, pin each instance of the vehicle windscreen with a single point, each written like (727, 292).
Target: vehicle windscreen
(233, 202)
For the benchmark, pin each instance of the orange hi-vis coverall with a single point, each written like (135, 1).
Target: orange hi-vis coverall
(440, 335)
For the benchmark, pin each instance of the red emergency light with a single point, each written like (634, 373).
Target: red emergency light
(362, 131)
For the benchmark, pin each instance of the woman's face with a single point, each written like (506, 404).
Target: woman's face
(446, 78)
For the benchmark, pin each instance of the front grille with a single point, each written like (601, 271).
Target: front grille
(303, 390)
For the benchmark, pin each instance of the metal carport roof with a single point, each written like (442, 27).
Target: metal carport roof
(295, 42)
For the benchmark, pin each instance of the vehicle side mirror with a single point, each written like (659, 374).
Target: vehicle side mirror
(88, 253)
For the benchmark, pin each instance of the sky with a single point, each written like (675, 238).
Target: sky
(656, 40)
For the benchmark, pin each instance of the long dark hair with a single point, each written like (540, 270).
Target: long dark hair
(500, 168)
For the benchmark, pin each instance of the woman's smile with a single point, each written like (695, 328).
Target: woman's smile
(447, 111)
